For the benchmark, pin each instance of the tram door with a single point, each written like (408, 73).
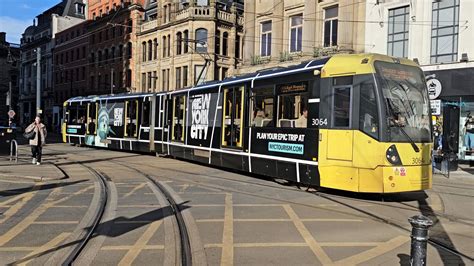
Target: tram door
(232, 119)
(131, 119)
(340, 136)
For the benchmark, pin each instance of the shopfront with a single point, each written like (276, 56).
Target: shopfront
(451, 88)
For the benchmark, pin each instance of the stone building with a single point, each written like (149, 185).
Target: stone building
(9, 75)
(281, 33)
(40, 37)
(111, 32)
(179, 40)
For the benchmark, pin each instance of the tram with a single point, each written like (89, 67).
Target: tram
(358, 123)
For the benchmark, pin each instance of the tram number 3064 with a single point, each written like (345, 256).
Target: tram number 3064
(320, 121)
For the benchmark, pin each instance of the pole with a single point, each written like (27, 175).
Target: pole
(38, 80)
(111, 81)
(419, 239)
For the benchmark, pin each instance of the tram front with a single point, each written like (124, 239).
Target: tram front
(405, 126)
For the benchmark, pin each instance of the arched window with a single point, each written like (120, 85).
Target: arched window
(155, 49)
(201, 40)
(120, 52)
(185, 38)
(106, 55)
(112, 53)
(164, 46)
(143, 51)
(99, 57)
(179, 43)
(129, 50)
(225, 46)
(150, 50)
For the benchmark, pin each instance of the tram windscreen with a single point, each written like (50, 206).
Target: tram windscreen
(406, 101)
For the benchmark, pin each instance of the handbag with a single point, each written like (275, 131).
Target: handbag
(30, 135)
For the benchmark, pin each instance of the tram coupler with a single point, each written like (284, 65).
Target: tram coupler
(419, 239)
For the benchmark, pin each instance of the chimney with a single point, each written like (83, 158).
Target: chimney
(3, 38)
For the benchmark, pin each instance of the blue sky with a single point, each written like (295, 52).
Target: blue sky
(16, 15)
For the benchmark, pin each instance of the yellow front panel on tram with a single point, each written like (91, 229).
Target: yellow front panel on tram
(339, 145)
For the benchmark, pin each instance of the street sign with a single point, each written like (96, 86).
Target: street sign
(435, 107)
(11, 113)
(434, 88)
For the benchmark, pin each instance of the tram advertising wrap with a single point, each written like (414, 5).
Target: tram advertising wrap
(202, 117)
(356, 122)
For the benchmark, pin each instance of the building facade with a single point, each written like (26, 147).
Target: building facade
(37, 44)
(9, 77)
(183, 43)
(281, 33)
(70, 67)
(112, 33)
(439, 36)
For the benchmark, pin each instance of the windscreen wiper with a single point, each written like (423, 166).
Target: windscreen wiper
(395, 123)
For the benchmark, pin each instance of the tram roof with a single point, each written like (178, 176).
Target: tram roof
(266, 73)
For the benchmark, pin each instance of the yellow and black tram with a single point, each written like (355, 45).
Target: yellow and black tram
(352, 122)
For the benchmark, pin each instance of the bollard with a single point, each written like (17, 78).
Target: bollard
(419, 239)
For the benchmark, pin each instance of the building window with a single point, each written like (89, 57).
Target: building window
(225, 44)
(143, 81)
(201, 40)
(112, 53)
(164, 46)
(120, 51)
(178, 78)
(296, 33)
(154, 78)
(129, 50)
(185, 76)
(266, 38)
(83, 73)
(225, 72)
(79, 8)
(179, 43)
(237, 47)
(398, 31)
(169, 45)
(129, 78)
(155, 49)
(330, 26)
(150, 50)
(445, 31)
(186, 38)
(83, 52)
(218, 42)
(149, 81)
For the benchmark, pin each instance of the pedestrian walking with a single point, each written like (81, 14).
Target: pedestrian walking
(38, 141)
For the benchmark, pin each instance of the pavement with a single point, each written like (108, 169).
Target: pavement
(232, 218)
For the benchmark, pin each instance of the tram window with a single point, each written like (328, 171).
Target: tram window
(368, 120)
(81, 114)
(262, 107)
(179, 107)
(131, 117)
(341, 107)
(146, 113)
(72, 118)
(292, 110)
(232, 118)
(91, 119)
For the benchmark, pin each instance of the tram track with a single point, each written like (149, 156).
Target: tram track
(71, 258)
(364, 213)
(185, 243)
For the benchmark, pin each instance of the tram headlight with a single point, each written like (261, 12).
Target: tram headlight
(392, 155)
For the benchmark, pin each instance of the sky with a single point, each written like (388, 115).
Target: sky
(16, 15)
